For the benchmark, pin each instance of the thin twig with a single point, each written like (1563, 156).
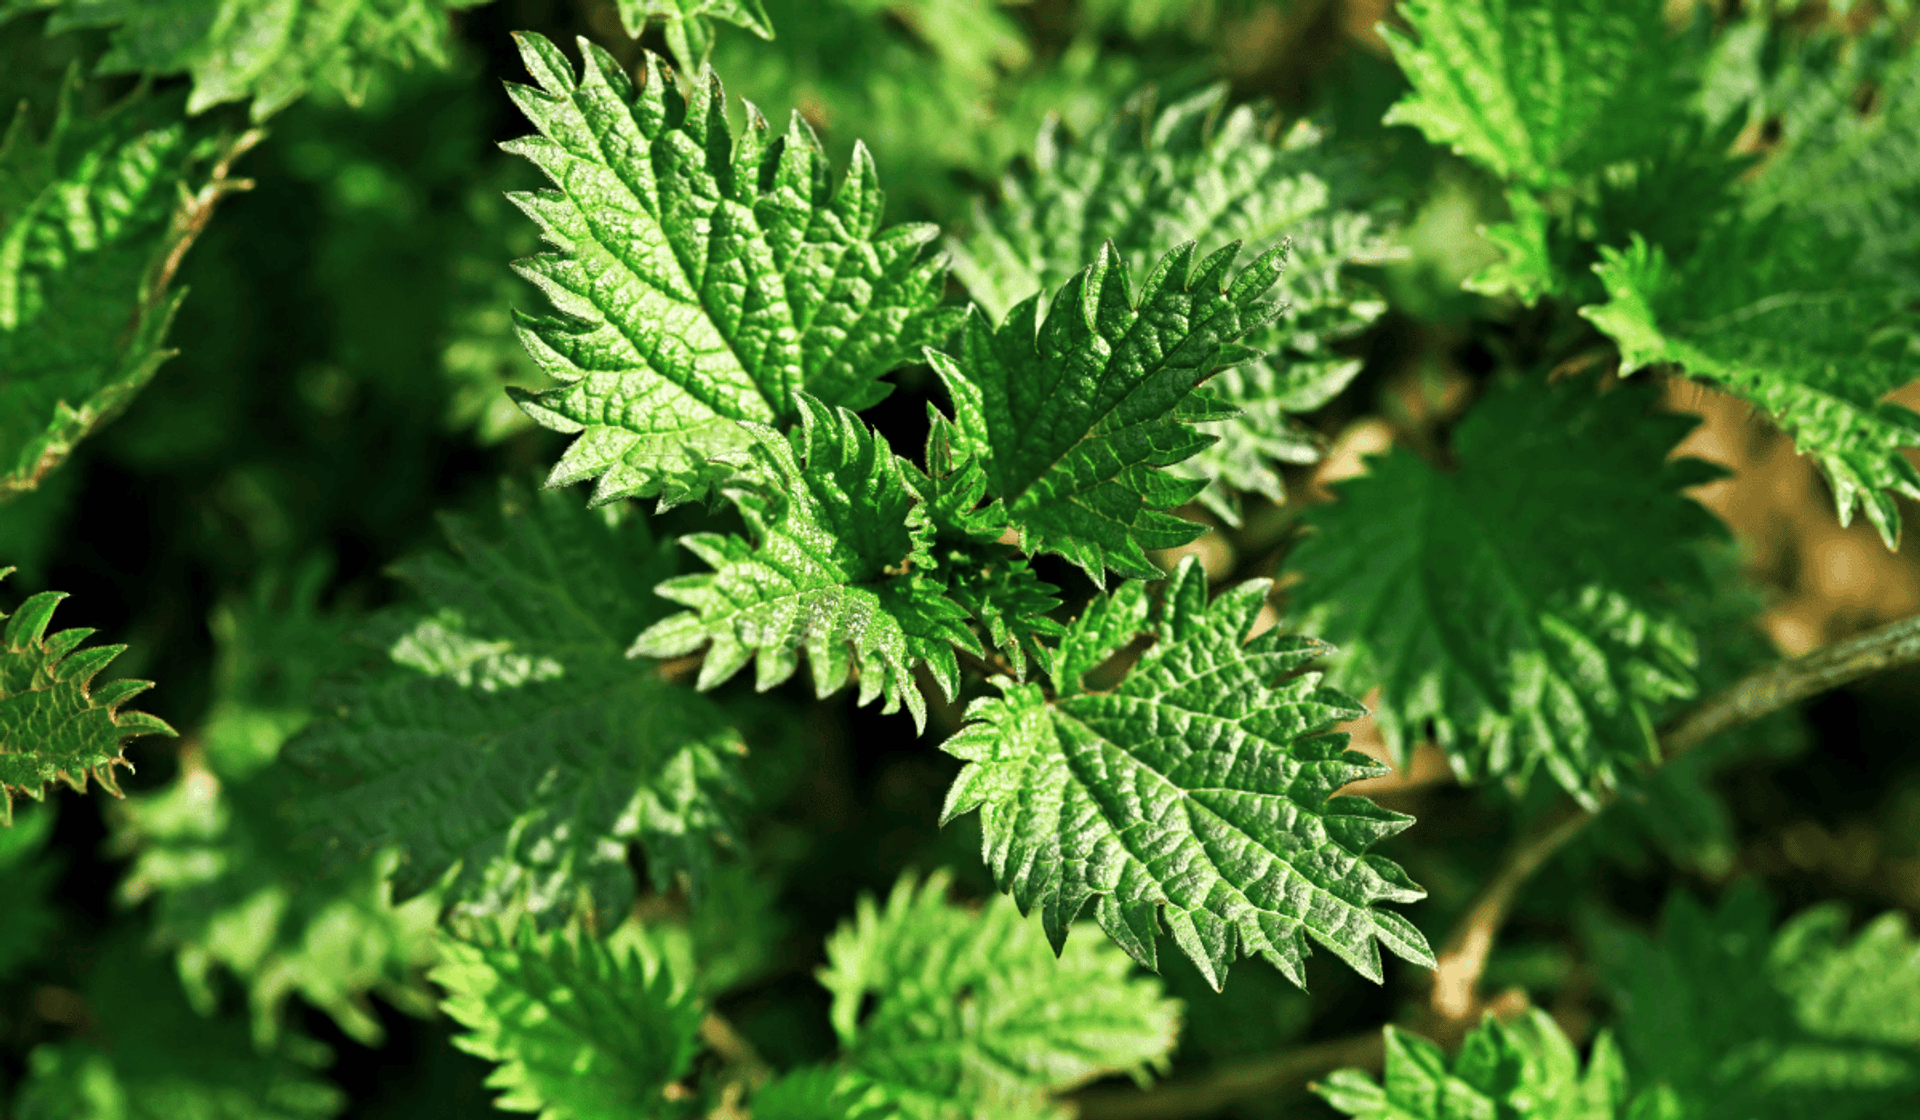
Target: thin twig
(189, 219)
(196, 210)
(680, 670)
(742, 1062)
(1889, 647)
(1463, 956)
(188, 222)
(742, 1070)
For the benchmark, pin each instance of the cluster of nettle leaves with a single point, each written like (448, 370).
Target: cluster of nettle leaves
(1146, 305)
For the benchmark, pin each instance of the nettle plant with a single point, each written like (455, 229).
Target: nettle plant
(540, 793)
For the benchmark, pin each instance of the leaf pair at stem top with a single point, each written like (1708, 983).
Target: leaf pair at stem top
(715, 292)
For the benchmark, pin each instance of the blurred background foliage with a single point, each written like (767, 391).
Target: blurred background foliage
(342, 352)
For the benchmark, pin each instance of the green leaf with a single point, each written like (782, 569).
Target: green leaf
(702, 280)
(957, 1013)
(1528, 267)
(11, 9)
(1540, 92)
(1073, 415)
(85, 233)
(238, 892)
(271, 52)
(580, 1031)
(836, 568)
(1680, 812)
(53, 723)
(274, 649)
(750, 14)
(512, 737)
(688, 23)
(737, 933)
(1740, 1021)
(824, 1093)
(990, 579)
(934, 87)
(147, 1056)
(1151, 178)
(1669, 191)
(1009, 602)
(1248, 449)
(1196, 790)
(27, 874)
(1845, 106)
(1524, 1070)
(1783, 317)
(1582, 109)
(218, 850)
(1517, 603)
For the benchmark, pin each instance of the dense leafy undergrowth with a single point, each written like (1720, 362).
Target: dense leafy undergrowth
(932, 559)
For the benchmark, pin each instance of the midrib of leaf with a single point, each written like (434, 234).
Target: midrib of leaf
(680, 377)
(1091, 783)
(798, 593)
(1427, 577)
(566, 1013)
(801, 327)
(1024, 425)
(1232, 202)
(966, 1045)
(1036, 1038)
(819, 549)
(1094, 431)
(1467, 92)
(999, 1041)
(599, 763)
(1423, 577)
(1096, 426)
(692, 379)
(549, 728)
(1194, 806)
